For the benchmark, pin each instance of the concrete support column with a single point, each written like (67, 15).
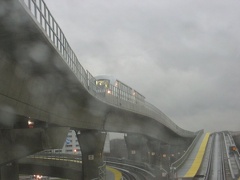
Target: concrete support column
(91, 143)
(9, 171)
(153, 152)
(166, 156)
(136, 147)
(169, 154)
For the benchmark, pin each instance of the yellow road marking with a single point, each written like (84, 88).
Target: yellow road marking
(117, 174)
(198, 160)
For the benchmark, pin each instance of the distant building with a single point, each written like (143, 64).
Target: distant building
(71, 145)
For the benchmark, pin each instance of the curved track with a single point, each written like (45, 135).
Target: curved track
(223, 162)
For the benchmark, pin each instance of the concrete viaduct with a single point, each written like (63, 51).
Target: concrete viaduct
(42, 81)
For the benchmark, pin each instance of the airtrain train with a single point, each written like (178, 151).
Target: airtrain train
(110, 85)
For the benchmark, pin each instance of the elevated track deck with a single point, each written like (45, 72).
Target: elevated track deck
(192, 165)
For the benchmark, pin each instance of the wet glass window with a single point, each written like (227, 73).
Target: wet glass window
(103, 83)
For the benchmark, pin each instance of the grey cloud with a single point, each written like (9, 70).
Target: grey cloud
(182, 55)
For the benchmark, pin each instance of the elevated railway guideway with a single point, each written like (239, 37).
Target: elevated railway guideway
(36, 54)
(232, 155)
(221, 160)
(215, 156)
(42, 79)
(192, 160)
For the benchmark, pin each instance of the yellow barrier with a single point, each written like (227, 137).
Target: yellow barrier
(198, 160)
(117, 174)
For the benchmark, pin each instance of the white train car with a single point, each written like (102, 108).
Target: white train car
(110, 85)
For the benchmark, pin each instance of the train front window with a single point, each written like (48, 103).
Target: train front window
(103, 83)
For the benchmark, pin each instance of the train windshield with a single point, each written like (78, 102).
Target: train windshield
(102, 83)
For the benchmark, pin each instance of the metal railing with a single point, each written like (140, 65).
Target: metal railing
(57, 157)
(65, 159)
(38, 10)
(232, 155)
(129, 164)
(102, 172)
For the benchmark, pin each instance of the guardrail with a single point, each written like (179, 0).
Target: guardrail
(232, 155)
(77, 158)
(65, 159)
(57, 157)
(135, 166)
(177, 164)
(102, 172)
(39, 12)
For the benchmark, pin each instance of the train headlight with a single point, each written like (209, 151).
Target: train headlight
(30, 123)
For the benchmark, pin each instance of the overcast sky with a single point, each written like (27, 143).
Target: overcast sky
(182, 55)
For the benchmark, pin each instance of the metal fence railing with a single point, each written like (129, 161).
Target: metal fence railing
(38, 10)
(102, 172)
(64, 160)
